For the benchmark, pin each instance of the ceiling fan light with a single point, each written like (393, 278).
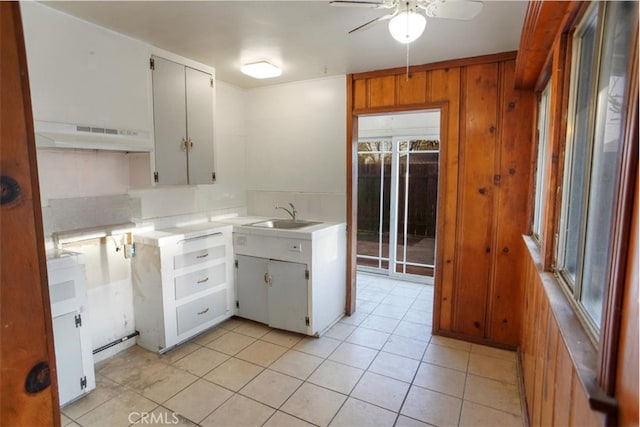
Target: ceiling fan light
(407, 26)
(261, 70)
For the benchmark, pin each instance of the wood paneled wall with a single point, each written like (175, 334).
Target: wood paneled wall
(485, 164)
(554, 391)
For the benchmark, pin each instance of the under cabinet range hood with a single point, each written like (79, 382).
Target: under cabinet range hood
(65, 135)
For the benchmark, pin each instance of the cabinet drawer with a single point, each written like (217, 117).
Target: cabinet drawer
(62, 291)
(201, 311)
(200, 280)
(199, 256)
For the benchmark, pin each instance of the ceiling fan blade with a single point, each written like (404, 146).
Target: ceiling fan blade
(464, 10)
(373, 22)
(354, 3)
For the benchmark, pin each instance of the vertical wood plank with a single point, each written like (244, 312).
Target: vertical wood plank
(359, 91)
(412, 90)
(26, 339)
(542, 330)
(512, 219)
(581, 414)
(528, 339)
(382, 91)
(476, 198)
(445, 87)
(626, 381)
(549, 380)
(564, 386)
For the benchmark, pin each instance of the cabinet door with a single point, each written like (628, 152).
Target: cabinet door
(67, 343)
(252, 288)
(288, 296)
(169, 114)
(200, 126)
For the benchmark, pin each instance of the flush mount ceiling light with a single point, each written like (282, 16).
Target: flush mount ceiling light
(261, 70)
(407, 26)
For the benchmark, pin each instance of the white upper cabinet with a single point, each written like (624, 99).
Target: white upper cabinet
(183, 123)
(86, 76)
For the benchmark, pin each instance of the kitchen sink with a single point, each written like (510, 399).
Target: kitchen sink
(286, 224)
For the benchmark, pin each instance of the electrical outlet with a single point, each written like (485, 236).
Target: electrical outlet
(130, 250)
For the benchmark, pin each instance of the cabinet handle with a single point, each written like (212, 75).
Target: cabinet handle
(202, 256)
(203, 311)
(216, 234)
(267, 278)
(189, 144)
(206, 279)
(183, 144)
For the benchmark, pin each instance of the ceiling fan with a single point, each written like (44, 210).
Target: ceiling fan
(407, 17)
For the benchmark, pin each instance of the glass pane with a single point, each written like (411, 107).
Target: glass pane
(386, 207)
(369, 176)
(374, 184)
(424, 145)
(575, 186)
(606, 152)
(417, 213)
(374, 146)
(403, 165)
(421, 209)
(543, 136)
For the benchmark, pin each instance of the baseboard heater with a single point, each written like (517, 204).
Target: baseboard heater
(116, 342)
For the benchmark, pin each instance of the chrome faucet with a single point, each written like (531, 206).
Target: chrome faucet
(293, 212)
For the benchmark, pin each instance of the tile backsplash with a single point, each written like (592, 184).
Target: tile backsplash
(84, 212)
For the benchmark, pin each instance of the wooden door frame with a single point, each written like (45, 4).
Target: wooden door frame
(352, 188)
(26, 337)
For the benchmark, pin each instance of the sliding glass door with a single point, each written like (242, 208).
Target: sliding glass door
(397, 200)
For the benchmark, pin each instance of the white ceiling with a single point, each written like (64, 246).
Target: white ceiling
(308, 39)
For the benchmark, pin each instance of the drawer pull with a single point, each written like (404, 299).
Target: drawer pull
(200, 237)
(203, 311)
(206, 279)
(202, 256)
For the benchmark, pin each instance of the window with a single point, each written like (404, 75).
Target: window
(541, 173)
(593, 154)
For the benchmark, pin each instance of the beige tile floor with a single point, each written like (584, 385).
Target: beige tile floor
(379, 367)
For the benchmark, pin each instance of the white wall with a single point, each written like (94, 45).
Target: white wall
(296, 148)
(74, 64)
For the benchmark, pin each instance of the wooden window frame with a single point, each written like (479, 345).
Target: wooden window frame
(541, 163)
(627, 167)
(607, 345)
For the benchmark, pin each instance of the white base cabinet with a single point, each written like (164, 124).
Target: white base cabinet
(273, 292)
(183, 283)
(291, 280)
(71, 335)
